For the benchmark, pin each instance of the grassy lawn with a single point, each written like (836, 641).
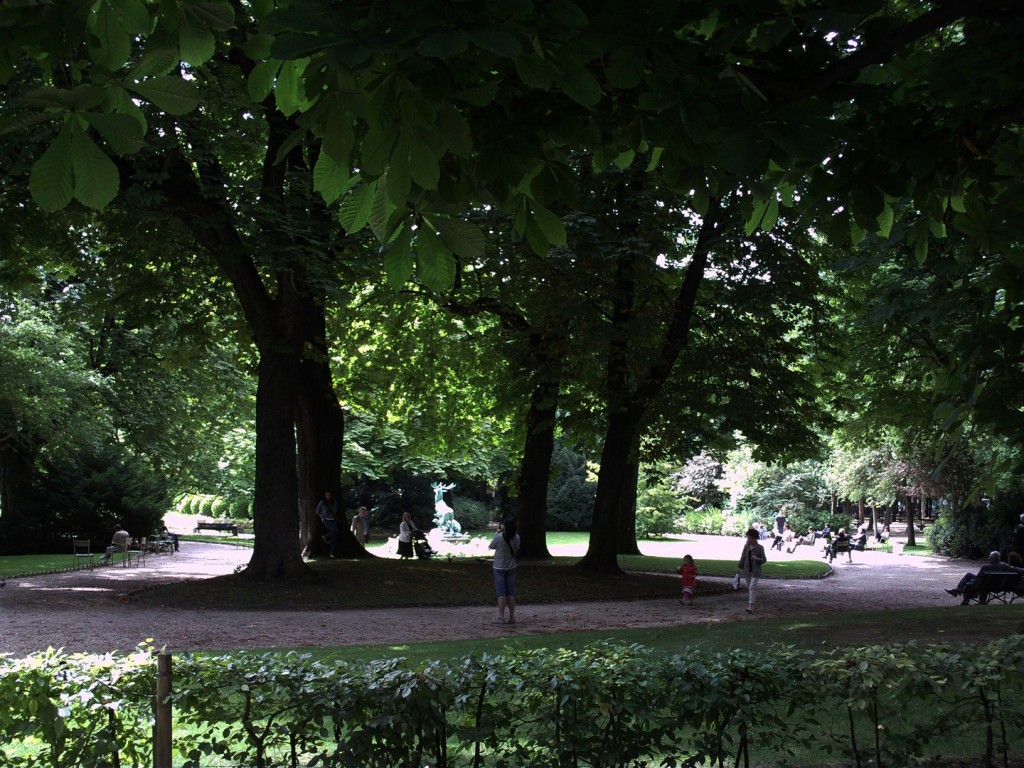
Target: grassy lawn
(927, 627)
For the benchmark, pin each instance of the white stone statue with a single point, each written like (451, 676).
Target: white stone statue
(444, 515)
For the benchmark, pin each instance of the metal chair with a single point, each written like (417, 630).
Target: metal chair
(137, 549)
(83, 552)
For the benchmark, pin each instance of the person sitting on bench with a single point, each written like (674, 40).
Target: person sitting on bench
(994, 564)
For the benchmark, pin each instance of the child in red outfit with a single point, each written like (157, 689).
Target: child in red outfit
(689, 573)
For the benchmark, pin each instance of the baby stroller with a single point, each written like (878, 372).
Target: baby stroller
(420, 546)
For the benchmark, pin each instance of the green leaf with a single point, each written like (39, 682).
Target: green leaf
(771, 214)
(550, 225)
(567, 13)
(480, 96)
(262, 78)
(398, 261)
(110, 45)
(156, 61)
(355, 208)
(423, 165)
(219, 17)
(330, 179)
(52, 181)
(296, 138)
(171, 94)
(96, 176)
(47, 97)
(86, 97)
(443, 44)
(288, 47)
(534, 71)
(122, 132)
(134, 16)
(626, 69)
(579, 85)
(437, 266)
(381, 210)
(462, 237)
(453, 127)
(376, 150)
(399, 179)
(496, 40)
(196, 44)
(289, 94)
(885, 221)
(23, 120)
(921, 245)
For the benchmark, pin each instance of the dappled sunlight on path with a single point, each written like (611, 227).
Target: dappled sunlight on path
(81, 610)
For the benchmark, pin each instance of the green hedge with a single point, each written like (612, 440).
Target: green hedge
(608, 705)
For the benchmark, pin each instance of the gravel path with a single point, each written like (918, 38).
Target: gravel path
(88, 610)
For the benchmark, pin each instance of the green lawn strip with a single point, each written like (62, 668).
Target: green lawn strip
(928, 627)
(26, 565)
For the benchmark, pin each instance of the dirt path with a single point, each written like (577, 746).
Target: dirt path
(87, 610)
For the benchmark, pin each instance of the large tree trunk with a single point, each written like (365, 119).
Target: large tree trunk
(320, 433)
(630, 394)
(911, 538)
(535, 469)
(626, 535)
(275, 513)
(612, 481)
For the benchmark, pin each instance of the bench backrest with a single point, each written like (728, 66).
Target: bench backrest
(998, 581)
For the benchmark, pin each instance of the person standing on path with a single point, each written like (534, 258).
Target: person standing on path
(405, 529)
(506, 562)
(327, 511)
(688, 570)
(1018, 538)
(751, 559)
(361, 526)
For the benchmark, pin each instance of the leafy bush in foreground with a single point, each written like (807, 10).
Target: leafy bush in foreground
(606, 705)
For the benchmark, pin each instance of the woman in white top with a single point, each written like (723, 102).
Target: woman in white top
(506, 560)
(405, 536)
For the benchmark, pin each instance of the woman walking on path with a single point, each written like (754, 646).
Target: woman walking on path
(749, 566)
(506, 562)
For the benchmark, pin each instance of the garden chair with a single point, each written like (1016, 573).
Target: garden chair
(83, 552)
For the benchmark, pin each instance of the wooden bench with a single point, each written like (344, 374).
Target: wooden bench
(232, 527)
(997, 586)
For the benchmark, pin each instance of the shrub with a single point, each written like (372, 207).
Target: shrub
(571, 492)
(604, 704)
(206, 505)
(86, 489)
(658, 511)
(977, 530)
(471, 513)
(218, 507)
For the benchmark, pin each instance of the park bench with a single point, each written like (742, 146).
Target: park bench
(231, 527)
(996, 586)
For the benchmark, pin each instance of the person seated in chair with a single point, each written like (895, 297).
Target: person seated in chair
(798, 540)
(832, 547)
(882, 536)
(860, 541)
(118, 543)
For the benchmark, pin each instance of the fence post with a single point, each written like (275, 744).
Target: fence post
(162, 708)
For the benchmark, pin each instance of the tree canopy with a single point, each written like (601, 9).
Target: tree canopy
(277, 137)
